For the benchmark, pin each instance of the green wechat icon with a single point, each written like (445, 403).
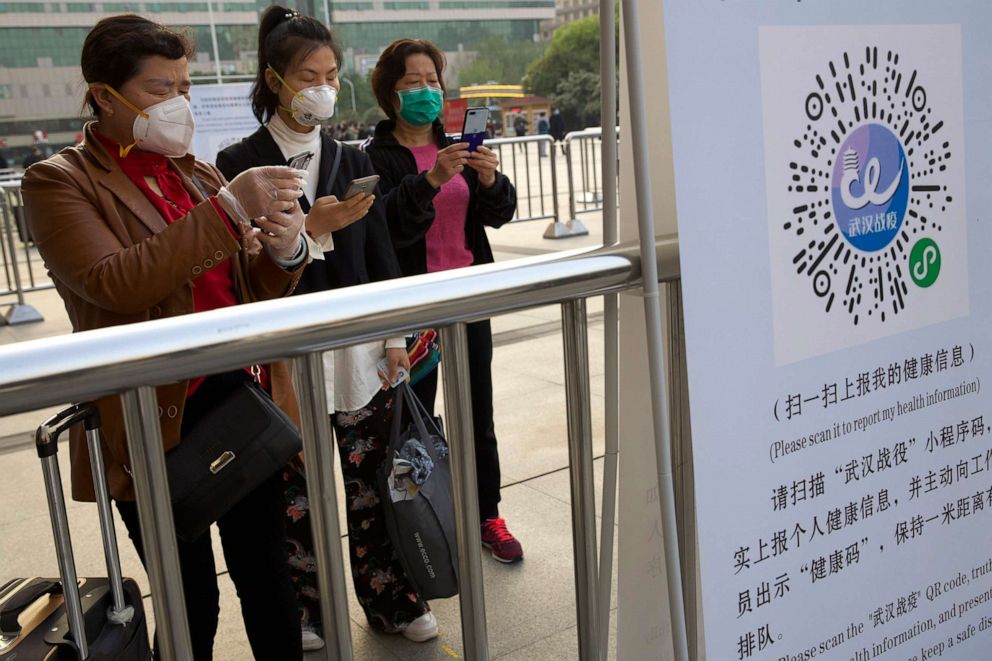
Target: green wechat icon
(924, 262)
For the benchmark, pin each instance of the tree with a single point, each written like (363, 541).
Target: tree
(501, 61)
(574, 48)
(366, 107)
(577, 96)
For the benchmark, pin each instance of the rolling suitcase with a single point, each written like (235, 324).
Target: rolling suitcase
(70, 618)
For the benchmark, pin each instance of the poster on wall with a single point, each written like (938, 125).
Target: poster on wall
(831, 171)
(223, 116)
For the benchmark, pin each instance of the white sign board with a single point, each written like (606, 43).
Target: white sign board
(223, 116)
(831, 166)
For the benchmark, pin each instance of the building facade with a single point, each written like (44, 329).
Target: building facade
(567, 11)
(41, 86)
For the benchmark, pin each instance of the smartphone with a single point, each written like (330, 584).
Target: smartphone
(361, 185)
(474, 127)
(401, 373)
(301, 161)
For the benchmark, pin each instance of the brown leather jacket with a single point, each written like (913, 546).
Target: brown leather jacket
(116, 261)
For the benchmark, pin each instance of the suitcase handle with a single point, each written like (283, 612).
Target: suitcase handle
(46, 441)
(47, 437)
(26, 595)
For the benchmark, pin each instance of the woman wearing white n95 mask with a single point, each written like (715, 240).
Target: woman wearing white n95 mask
(294, 92)
(133, 228)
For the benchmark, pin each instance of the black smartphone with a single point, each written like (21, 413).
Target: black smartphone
(301, 161)
(474, 127)
(361, 185)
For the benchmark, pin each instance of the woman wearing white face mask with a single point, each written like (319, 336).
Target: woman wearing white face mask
(295, 91)
(132, 228)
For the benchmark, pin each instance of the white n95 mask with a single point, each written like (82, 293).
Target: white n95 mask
(166, 128)
(313, 105)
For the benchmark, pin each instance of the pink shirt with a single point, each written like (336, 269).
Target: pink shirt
(446, 242)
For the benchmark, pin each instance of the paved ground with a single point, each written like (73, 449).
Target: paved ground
(530, 606)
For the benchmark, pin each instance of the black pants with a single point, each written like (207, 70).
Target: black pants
(480, 360)
(253, 535)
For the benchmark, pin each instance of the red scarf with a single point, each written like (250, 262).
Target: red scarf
(215, 287)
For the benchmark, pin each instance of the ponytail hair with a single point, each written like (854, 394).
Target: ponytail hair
(284, 38)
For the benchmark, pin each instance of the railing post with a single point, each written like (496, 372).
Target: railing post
(318, 459)
(158, 532)
(20, 312)
(580, 459)
(464, 484)
(554, 180)
(574, 226)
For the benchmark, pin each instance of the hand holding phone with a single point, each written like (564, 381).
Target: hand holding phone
(361, 185)
(301, 161)
(474, 127)
(329, 214)
(402, 374)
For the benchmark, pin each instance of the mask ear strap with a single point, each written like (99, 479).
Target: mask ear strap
(284, 83)
(124, 151)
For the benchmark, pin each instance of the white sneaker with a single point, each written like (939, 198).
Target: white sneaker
(422, 629)
(312, 641)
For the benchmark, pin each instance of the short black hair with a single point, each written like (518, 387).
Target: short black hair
(391, 68)
(116, 46)
(285, 37)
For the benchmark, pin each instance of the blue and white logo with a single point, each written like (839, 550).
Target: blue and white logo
(870, 187)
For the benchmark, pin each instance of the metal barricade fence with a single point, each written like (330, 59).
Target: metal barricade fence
(22, 267)
(131, 359)
(531, 164)
(583, 151)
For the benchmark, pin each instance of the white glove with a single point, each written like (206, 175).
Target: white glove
(262, 191)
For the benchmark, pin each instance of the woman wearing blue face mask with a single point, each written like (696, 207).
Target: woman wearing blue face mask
(439, 199)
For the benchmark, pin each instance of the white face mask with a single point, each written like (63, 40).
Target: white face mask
(313, 105)
(166, 128)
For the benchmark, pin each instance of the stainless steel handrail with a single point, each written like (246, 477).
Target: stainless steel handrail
(51, 371)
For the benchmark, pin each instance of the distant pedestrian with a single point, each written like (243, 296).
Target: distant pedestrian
(543, 127)
(557, 125)
(520, 127)
(32, 158)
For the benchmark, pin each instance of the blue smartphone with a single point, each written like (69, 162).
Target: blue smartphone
(474, 127)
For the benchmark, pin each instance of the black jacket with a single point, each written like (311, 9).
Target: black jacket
(362, 251)
(556, 127)
(409, 200)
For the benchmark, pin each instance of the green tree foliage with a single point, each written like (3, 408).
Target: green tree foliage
(366, 108)
(574, 48)
(501, 61)
(578, 97)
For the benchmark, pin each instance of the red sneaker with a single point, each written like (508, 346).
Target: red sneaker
(500, 542)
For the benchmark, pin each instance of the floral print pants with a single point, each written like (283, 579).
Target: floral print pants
(385, 594)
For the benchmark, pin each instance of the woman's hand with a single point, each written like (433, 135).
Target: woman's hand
(330, 215)
(249, 238)
(395, 358)
(485, 162)
(281, 232)
(450, 161)
(262, 191)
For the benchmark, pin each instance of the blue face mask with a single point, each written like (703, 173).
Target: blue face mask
(420, 105)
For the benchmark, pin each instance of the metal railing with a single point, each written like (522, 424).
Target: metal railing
(536, 185)
(132, 359)
(19, 257)
(583, 151)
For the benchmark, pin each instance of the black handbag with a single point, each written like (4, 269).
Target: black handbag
(420, 513)
(240, 443)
